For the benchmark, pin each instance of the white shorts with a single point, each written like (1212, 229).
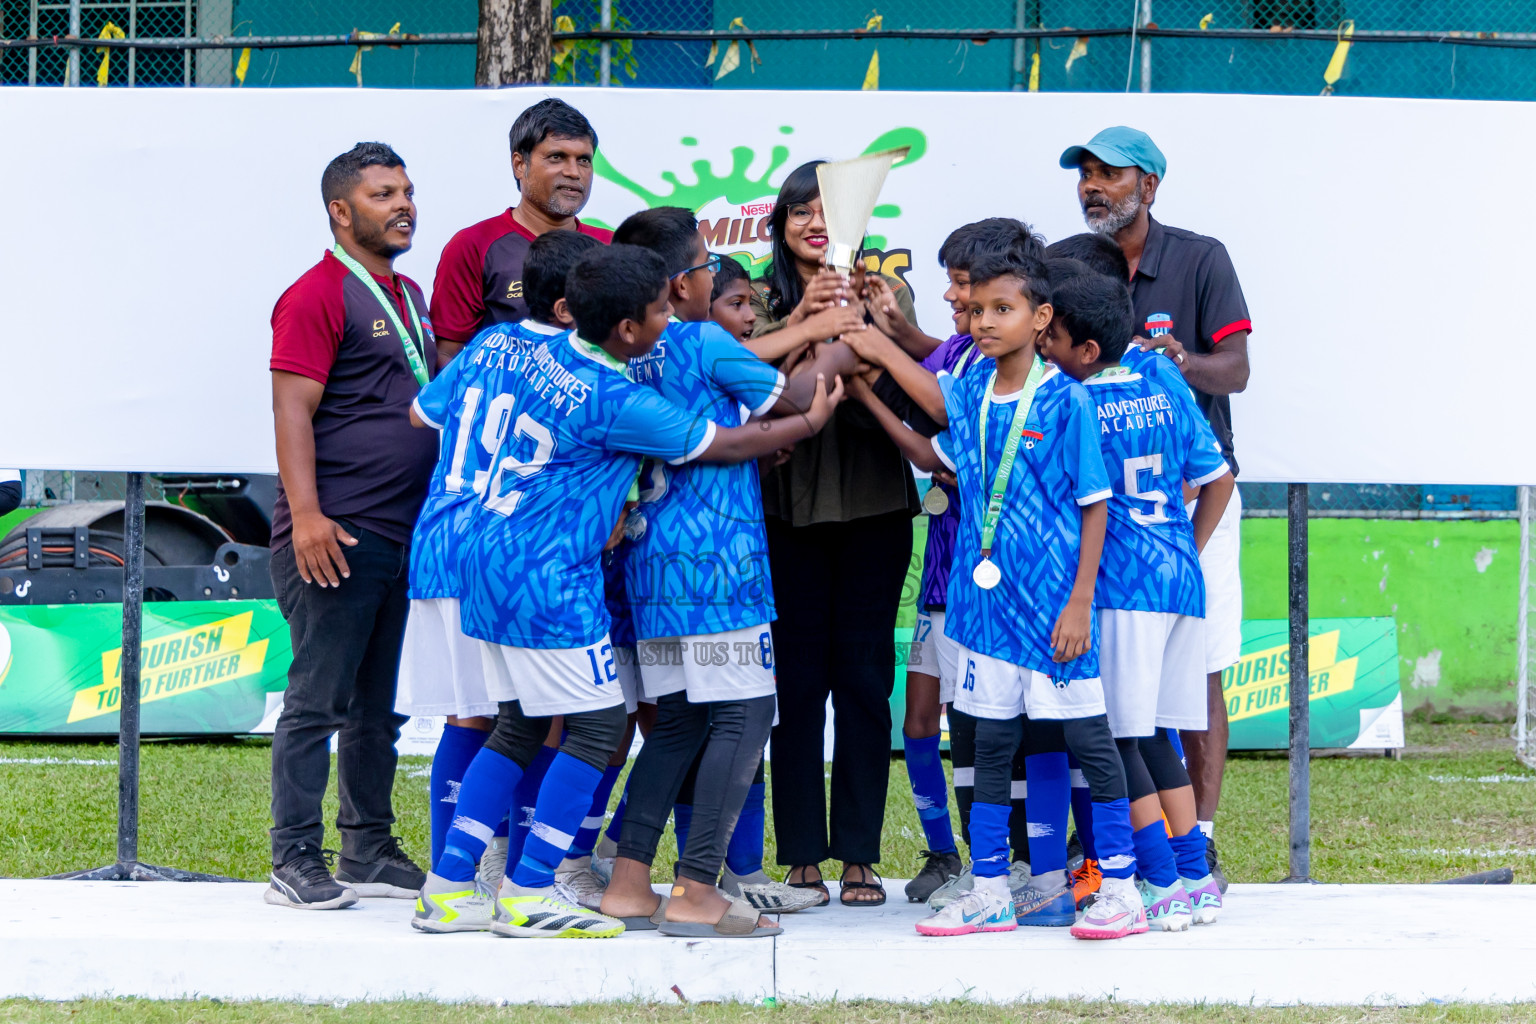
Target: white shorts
(1223, 589)
(734, 665)
(993, 688)
(934, 654)
(440, 672)
(554, 680)
(627, 663)
(1153, 666)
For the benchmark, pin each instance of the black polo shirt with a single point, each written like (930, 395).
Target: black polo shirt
(1186, 286)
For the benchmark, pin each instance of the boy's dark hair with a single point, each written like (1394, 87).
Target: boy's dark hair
(547, 118)
(671, 232)
(995, 235)
(550, 259)
(785, 288)
(1097, 307)
(729, 273)
(341, 174)
(1099, 252)
(612, 283)
(1031, 273)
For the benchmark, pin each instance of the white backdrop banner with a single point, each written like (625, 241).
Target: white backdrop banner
(152, 230)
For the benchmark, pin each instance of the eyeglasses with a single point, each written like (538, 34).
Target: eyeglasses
(713, 263)
(799, 213)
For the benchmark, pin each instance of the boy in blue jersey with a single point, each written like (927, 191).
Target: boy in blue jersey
(531, 580)
(1151, 593)
(440, 671)
(1032, 489)
(699, 590)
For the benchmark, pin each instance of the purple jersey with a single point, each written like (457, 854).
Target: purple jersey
(955, 356)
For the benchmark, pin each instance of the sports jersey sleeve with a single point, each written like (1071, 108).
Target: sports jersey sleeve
(458, 290)
(647, 424)
(1223, 310)
(1082, 456)
(307, 325)
(739, 373)
(944, 448)
(433, 401)
(1205, 462)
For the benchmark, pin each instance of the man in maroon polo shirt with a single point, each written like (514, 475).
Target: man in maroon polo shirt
(351, 346)
(480, 274)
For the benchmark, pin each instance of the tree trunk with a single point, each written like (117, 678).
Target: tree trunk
(514, 42)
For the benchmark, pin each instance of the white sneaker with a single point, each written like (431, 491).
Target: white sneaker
(493, 864)
(1117, 912)
(551, 913)
(979, 910)
(583, 882)
(957, 886)
(445, 906)
(764, 894)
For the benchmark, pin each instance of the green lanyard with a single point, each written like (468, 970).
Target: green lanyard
(994, 510)
(413, 355)
(1110, 372)
(587, 348)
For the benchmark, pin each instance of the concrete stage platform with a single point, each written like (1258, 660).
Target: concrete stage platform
(1275, 944)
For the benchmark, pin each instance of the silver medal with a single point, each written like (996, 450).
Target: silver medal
(986, 574)
(935, 502)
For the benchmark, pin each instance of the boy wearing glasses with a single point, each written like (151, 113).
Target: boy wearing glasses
(697, 581)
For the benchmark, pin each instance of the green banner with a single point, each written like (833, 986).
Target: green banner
(1356, 701)
(206, 666)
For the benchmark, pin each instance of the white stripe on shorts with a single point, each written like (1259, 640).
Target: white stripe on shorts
(1019, 790)
(965, 777)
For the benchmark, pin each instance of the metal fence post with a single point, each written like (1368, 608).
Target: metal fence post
(1523, 739)
(128, 676)
(72, 74)
(605, 49)
(1300, 777)
(1146, 47)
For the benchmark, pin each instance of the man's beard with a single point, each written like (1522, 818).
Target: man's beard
(1120, 214)
(370, 235)
(558, 204)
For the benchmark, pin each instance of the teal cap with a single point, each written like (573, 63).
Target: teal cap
(1120, 147)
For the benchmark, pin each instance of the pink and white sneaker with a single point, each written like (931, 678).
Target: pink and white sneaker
(1117, 912)
(974, 911)
(1204, 898)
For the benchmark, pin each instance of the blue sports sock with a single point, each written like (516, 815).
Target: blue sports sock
(1082, 809)
(563, 801)
(616, 823)
(1178, 745)
(1189, 851)
(929, 790)
(1112, 837)
(744, 853)
(1154, 857)
(520, 816)
(1050, 796)
(455, 750)
(592, 824)
(682, 820)
(484, 800)
(989, 839)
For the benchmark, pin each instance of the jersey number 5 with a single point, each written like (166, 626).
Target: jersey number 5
(1152, 465)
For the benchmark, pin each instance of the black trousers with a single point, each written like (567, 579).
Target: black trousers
(837, 587)
(346, 658)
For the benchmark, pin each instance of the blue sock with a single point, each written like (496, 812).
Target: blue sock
(616, 823)
(929, 790)
(1178, 745)
(1082, 809)
(1189, 851)
(484, 800)
(989, 839)
(563, 802)
(744, 853)
(1154, 857)
(682, 820)
(1050, 796)
(592, 824)
(520, 816)
(1112, 837)
(455, 750)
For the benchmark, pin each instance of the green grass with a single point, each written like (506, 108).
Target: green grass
(205, 808)
(133, 1011)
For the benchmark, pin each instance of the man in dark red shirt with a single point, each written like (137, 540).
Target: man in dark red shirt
(351, 347)
(480, 274)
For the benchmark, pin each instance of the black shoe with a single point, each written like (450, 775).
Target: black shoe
(305, 883)
(1213, 866)
(938, 868)
(1074, 852)
(391, 875)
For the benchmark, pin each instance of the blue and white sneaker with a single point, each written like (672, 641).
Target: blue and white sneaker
(1040, 907)
(1167, 906)
(976, 911)
(1204, 898)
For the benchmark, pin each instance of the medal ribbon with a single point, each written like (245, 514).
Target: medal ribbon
(413, 354)
(994, 510)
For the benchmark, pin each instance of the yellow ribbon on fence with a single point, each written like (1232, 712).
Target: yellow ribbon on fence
(732, 58)
(1335, 69)
(1079, 50)
(357, 58)
(872, 75)
(563, 51)
(108, 31)
(1034, 72)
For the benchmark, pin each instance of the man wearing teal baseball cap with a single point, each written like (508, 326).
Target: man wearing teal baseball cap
(1188, 304)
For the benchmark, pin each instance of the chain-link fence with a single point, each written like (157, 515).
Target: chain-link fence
(1473, 49)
